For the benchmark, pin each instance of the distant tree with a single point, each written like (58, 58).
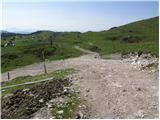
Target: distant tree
(51, 38)
(78, 36)
(4, 39)
(13, 38)
(43, 56)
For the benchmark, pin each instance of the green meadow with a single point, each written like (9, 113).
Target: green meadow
(140, 36)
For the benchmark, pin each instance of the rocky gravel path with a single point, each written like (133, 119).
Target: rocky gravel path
(113, 88)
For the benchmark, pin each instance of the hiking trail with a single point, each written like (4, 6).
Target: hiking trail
(112, 88)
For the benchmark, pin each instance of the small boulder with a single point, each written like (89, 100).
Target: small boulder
(87, 90)
(60, 112)
(49, 105)
(86, 95)
(66, 90)
(41, 100)
(124, 90)
(140, 114)
(24, 90)
(79, 115)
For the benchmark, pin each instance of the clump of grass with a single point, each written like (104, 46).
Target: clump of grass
(68, 108)
(95, 49)
(131, 39)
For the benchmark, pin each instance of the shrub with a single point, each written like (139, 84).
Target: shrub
(95, 49)
(37, 51)
(10, 56)
(49, 51)
(131, 39)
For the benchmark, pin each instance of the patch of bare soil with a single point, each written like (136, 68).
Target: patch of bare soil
(23, 103)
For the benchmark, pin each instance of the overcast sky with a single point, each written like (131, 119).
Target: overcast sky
(73, 16)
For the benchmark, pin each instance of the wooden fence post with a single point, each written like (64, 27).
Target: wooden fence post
(8, 76)
(44, 64)
(45, 69)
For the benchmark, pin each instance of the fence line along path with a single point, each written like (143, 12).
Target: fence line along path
(28, 83)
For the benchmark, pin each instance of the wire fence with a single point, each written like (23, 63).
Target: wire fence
(27, 83)
(7, 76)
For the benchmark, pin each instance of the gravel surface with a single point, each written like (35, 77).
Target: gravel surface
(112, 87)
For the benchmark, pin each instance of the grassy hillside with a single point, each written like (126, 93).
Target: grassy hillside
(29, 49)
(138, 36)
(141, 31)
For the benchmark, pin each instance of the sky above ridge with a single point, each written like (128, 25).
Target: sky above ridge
(73, 16)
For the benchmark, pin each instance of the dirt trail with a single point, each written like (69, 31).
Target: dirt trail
(112, 88)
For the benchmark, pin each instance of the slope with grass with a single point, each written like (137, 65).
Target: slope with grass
(138, 36)
(141, 36)
(29, 49)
